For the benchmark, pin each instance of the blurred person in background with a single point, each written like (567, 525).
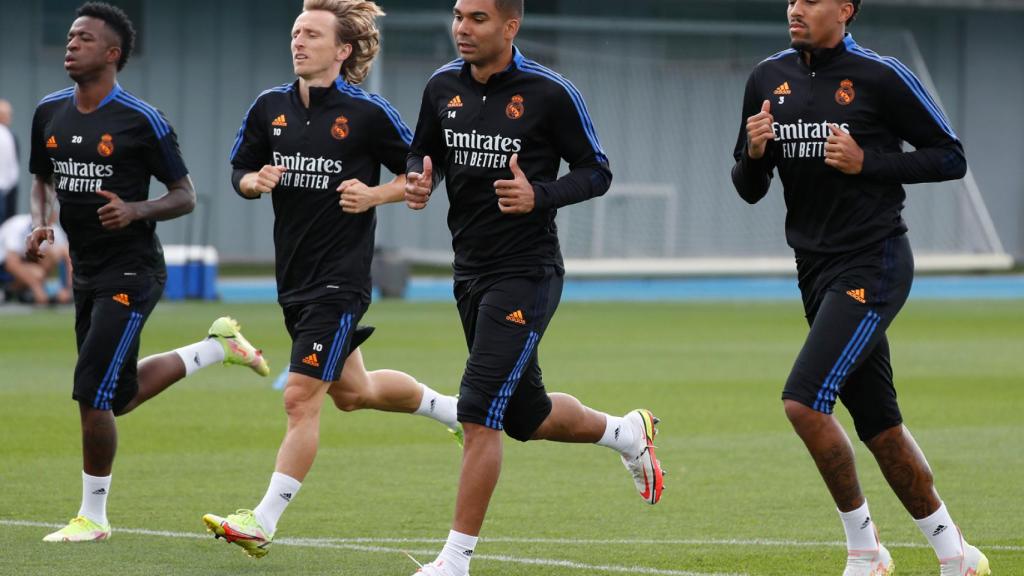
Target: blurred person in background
(8, 164)
(31, 276)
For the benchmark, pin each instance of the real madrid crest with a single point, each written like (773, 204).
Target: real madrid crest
(845, 94)
(515, 108)
(106, 145)
(340, 128)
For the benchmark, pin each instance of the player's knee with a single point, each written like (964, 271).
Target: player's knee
(794, 410)
(299, 403)
(799, 414)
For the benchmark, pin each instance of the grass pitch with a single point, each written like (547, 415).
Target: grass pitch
(743, 497)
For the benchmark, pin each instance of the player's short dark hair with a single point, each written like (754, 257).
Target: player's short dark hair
(856, 10)
(116, 20)
(513, 8)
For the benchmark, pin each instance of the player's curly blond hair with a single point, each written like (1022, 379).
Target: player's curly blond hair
(355, 24)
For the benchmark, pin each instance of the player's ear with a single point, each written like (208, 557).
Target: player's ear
(511, 28)
(344, 52)
(113, 54)
(845, 12)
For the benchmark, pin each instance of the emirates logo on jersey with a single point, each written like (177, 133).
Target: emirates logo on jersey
(106, 145)
(515, 108)
(340, 130)
(845, 94)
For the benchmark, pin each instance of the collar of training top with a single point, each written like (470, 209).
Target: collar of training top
(318, 94)
(825, 55)
(517, 59)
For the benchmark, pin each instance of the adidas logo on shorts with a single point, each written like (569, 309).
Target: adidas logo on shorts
(517, 317)
(858, 295)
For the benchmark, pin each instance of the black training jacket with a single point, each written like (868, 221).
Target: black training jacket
(346, 133)
(875, 99)
(471, 130)
(118, 148)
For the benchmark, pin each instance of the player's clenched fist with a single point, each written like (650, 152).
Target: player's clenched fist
(760, 131)
(116, 213)
(842, 152)
(356, 197)
(418, 186)
(515, 196)
(34, 242)
(264, 181)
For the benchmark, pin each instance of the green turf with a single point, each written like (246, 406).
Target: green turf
(712, 372)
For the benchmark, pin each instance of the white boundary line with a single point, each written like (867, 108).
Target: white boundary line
(380, 545)
(366, 546)
(640, 542)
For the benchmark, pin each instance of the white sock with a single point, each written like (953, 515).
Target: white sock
(619, 436)
(444, 409)
(457, 552)
(94, 498)
(280, 493)
(200, 355)
(860, 529)
(942, 534)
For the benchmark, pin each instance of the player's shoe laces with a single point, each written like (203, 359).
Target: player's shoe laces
(972, 563)
(238, 350)
(80, 529)
(645, 468)
(240, 528)
(436, 568)
(869, 563)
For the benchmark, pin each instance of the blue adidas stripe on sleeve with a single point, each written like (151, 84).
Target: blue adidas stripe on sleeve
(282, 89)
(354, 91)
(909, 79)
(577, 98)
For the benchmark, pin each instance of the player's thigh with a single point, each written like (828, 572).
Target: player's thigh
(106, 375)
(303, 395)
(322, 336)
(870, 394)
(353, 381)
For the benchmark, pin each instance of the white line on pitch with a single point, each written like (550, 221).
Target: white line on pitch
(562, 541)
(640, 542)
(341, 545)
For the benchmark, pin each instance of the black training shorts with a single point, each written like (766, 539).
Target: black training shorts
(504, 318)
(850, 300)
(109, 317)
(323, 334)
